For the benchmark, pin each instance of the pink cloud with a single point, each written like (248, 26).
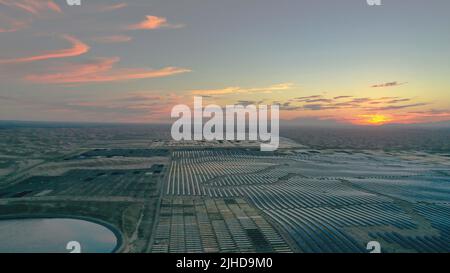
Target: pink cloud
(28, 11)
(134, 107)
(8, 24)
(113, 39)
(113, 7)
(34, 7)
(102, 70)
(153, 22)
(78, 48)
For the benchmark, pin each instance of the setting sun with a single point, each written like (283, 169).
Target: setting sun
(374, 119)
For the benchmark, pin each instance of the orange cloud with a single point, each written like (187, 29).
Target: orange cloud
(135, 107)
(102, 70)
(114, 7)
(236, 90)
(426, 116)
(28, 10)
(362, 110)
(153, 22)
(34, 7)
(78, 48)
(112, 39)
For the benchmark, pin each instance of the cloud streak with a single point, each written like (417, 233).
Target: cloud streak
(8, 24)
(78, 48)
(397, 107)
(388, 84)
(342, 97)
(101, 70)
(133, 107)
(112, 39)
(153, 22)
(320, 103)
(241, 90)
(19, 14)
(113, 7)
(35, 7)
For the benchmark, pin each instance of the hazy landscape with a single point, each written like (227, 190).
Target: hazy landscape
(314, 195)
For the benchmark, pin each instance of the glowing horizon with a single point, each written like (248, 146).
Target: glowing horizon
(132, 61)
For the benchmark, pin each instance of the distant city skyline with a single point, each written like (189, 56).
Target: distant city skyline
(333, 62)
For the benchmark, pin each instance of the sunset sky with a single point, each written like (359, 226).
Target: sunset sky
(132, 61)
